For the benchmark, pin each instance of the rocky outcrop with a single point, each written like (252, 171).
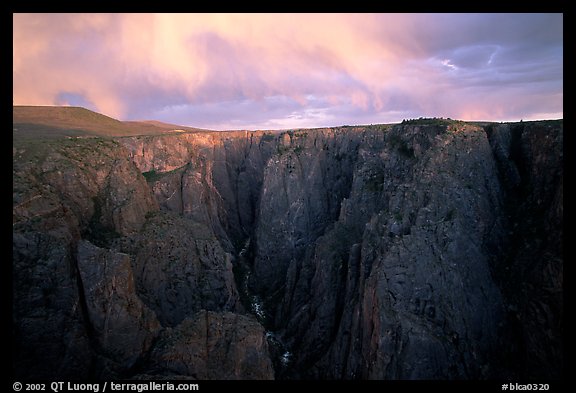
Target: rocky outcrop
(120, 324)
(91, 180)
(99, 271)
(425, 250)
(213, 346)
(304, 183)
(181, 268)
(49, 329)
(374, 297)
(63, 191)
(212, 178)
(530, 270)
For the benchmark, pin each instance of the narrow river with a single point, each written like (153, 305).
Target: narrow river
(280, 354)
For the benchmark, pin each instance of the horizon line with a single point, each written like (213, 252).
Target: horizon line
(289, 128)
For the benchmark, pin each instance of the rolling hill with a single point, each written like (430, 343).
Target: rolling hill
(47, 122)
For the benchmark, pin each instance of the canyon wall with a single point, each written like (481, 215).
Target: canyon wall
(414, 251)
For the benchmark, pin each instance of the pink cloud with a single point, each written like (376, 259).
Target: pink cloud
(127, 64)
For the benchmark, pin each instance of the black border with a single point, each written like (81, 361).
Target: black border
(356, 6)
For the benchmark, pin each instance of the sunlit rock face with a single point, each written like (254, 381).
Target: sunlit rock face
(430, 249)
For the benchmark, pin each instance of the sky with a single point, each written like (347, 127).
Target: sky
(281, 71)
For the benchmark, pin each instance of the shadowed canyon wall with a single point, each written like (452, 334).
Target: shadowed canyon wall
(414, 251)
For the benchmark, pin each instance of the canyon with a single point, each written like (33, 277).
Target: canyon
(430, 249)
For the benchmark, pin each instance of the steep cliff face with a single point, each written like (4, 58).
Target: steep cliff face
(180, 268)
(400, 286)
(530, 270)
(62, 192)
(100, 272)
(212, 178)
(214, 346)
(120, 324)
(414, 251)
(377, 252)
(304, 183)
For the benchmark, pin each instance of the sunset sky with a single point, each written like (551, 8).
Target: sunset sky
(270, 71)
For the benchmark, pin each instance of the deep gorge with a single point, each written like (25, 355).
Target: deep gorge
(423, 250)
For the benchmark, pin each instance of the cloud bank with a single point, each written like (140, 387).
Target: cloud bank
(249, 71)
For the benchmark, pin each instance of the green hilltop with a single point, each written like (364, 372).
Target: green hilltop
(49, 122)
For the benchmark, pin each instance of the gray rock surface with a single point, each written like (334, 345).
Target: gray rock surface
(181, 268)
(304, 182)
(530, 271)
(425, 250)
(211, 178)
(122, 326)
(213, 345)
(415, 298)
(49, 328)
(63, 191)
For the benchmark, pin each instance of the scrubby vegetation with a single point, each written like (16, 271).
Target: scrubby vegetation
(430, 121)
